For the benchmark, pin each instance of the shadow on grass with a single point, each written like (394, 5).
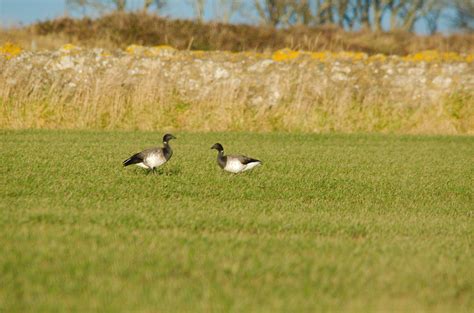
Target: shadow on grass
(164, 171)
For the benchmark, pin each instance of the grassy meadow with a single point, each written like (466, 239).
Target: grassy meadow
(354, 223)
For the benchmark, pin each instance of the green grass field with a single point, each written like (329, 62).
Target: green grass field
(353, 223)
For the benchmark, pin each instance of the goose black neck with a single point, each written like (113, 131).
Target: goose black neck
(167, 151)
(221, 158)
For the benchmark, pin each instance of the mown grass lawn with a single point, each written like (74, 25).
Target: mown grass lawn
(354, 223)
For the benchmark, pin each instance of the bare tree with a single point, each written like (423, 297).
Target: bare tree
(409, 14)
(99, 6)
(225, 9)
(431, 12)
(432, 20)
(147, 4)
(347, 14)
(274, 12)
(301, 14)
(464, 18)
(343, 12)
(83, 5)
(395, 8)
(363, 12)
(119, 5)
(378, 9)
(198, 8)
(159, 4)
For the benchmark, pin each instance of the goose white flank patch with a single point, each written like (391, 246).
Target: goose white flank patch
(153, 157)
(234, 163)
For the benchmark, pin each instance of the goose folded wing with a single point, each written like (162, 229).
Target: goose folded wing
(246, 160)
(134, 159)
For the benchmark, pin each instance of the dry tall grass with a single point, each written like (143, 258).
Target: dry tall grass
(119, 30)
(161, 88)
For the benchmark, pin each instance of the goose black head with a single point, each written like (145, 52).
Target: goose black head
(168, 137)
(218, 147)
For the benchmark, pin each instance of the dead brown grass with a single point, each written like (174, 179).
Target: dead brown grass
(119, 30)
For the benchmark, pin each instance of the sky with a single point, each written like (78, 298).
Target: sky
(23, 12)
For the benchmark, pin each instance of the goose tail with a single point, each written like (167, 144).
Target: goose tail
(252, 164)
(134, 159)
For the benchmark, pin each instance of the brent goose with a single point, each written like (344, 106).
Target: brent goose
(153, 157)
(234, 163)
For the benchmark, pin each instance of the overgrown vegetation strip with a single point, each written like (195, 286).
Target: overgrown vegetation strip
(160, 87)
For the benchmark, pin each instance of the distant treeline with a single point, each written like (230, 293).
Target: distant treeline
(348, 14)
(120, 29)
